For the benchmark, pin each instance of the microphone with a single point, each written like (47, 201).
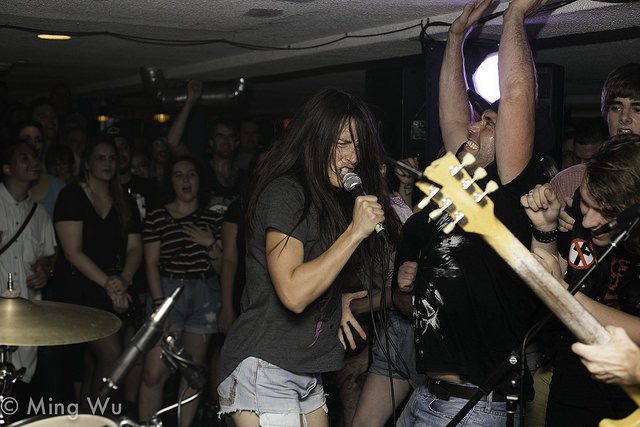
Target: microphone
(141, 343)
(625, 218)
(353, 184)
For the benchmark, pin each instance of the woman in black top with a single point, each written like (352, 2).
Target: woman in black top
(98, 228)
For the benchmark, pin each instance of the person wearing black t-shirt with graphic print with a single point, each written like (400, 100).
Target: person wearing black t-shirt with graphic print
(470, 309)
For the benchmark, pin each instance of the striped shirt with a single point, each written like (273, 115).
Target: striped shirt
(178, 255)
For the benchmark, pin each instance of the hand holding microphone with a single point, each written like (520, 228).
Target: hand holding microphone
(367, 208)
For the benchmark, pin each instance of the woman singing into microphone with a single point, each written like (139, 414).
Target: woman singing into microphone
(304, 232)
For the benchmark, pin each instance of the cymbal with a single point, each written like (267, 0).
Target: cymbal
(33, 323)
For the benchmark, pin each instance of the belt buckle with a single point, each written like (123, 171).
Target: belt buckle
(438, 390)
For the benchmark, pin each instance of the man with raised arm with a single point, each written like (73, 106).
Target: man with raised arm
(470, 309)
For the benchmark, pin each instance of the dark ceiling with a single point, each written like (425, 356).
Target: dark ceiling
(283, 48)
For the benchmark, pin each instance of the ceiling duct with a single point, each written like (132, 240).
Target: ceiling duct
(170, 94)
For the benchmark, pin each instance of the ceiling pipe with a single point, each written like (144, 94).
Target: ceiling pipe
(171, 95)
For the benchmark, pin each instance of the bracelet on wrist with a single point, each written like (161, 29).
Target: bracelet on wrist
(544, 236)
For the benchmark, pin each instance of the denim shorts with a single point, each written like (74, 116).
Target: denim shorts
(196, 310)
(425, 410)
(401, 351)
(276, 395)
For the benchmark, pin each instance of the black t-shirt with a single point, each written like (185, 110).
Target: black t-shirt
(222, 196)
(614, 283)
(103, 240)
(470, 308)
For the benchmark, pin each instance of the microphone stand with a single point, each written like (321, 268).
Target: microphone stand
(513, 358)
(143, 341)
(417, 174)
(178, 359)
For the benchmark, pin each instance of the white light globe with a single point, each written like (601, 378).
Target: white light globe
(485, 78)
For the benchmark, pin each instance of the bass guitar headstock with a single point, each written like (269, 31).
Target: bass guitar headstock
(458, 194)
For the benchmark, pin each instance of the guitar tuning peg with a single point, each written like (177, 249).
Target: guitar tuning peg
(479, 173)
(467, 160)
(434, 214)
(490, 188)
(457, 217)
(433, 190)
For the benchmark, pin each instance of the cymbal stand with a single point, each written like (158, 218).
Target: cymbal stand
(8, 376)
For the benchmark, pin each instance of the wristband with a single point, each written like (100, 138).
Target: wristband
(544, 236)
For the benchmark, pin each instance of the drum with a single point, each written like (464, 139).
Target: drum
(80, 420)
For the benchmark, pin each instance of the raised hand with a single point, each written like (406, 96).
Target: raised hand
(542, 207)
(194, 91)
(471, 13)
(526, 7)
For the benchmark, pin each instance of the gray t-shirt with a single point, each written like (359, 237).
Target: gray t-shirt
(301, 343)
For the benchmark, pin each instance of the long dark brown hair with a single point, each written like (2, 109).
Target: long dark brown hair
(305, 152)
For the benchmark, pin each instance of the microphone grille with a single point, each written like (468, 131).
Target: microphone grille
(350, 180)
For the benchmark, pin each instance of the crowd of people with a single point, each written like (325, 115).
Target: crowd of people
(314, 303)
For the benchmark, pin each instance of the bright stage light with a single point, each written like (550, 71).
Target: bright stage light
(485, 78)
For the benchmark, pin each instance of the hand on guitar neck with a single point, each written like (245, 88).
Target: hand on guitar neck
(617, 361)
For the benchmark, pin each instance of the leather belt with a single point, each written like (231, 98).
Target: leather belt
(444, 390)
(187, 276)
